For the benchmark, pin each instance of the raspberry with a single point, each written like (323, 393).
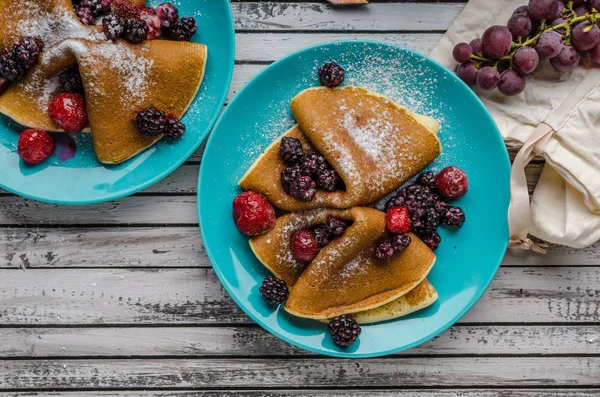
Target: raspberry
(136, 30)
(427, 222)
(70, 80)
(290, 150)
(394, 202)
(322, 235)
(67, 111)
(384, 250)
(125, 9)
(454, 217)
(168, 14)
(85, 14)
(151, 121)
(328, 180)
(398, 220)
(289, 175)
(432, 240)
(400, 242)
(113, 27)
(312, 164)
(331, 74)
(253, 214)
(303, 188)
(35, 146)
(154, 28)
(335, 226)
(452, 183)
(305, 246)
(344, 330)
(427, 179)
(174, 128)
(274, 290)
(183, 29)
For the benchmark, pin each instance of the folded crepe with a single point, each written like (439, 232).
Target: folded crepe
(345, 277)
(374, 144)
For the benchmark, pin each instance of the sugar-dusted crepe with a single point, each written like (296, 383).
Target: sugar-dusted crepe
(373, 143)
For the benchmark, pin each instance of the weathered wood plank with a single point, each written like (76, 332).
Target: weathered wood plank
(298, 372)
(253, 341)
(191, 296)
(271, 16)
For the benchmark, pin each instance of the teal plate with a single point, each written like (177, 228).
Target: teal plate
(467, 259)
(83, 179)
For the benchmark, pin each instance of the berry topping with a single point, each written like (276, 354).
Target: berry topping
(400, 242)
(35, 146)
(95, 6)
(398, 220)
(441, 207)
(384, 250)
(168, 14)
(452, 183)
(4, 83)
(394, 202)
(15, 63)
(291, 150)
(427, 179)
(305, 246)
(153, 21)
(344, 330)
(303, 188)
(151, 121)
(125, 9)
(174, 128)
(288, 176)
(322, 235)
(454, 217)
(328, 179)
(113, 27)
(106, 5)
(331, 74)
(253, 214)
(427, 222)
(85, 14)
(417, 198)
(70, 80)
(136, 30)
(183, 29)
(274, 290)
(67, 111)
(335, 226)
(312, 164)
(432, 240)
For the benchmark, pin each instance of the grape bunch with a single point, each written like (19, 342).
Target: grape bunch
(560, 31)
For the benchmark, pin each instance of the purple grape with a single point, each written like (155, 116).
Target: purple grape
(488, 78)
(525, 60)
(476, 46)
(578, 2)
(584, 40)
(542, 9)
(559, 21)
(595, 54)
(511, 83)
(467, 72)
(549, 44)
(566, 60)
(503, 65)
(496, 42)
(595, 4)
(519, 26)
(559, 10)
(581, 10)
(523, 10)
(462, 53)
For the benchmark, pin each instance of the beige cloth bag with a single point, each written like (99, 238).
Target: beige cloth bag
(557, 116)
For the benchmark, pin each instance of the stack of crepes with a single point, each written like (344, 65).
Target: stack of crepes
(119, 78)
(375, 145)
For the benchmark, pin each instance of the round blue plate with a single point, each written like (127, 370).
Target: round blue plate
(466, 260)
(83, 179)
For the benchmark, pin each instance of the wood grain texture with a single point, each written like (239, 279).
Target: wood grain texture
(254, 341)
(194, 296)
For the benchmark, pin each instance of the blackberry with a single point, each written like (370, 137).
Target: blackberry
(400, 242)
(151, 121)
(331, 74)
(454, 217)
(427, 179)
(427, 222)
(416, 197)
(174, 128)
(441, 207)
(343, 330)
(394, 202)
(168, 14)
(291, 150)
(288, 176)
(95, 6)
(432, 240)
(312, 164)
(384, 250)
(26, 52)
(113, 27)
(10, 68)
(303, 188)
(335, 226)
(106, 5)
(70, 80)
(323, 236)
(85, 14)
(328, 180)
(274, 290)
(136, 30)
(183, 29)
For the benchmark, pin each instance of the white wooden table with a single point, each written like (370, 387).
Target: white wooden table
(120, 299)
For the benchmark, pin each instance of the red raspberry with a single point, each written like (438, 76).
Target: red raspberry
(67, 111)
(253, 214)
(148, 15)
(398, 220)
(305, 246)
(35, 146)
(125, 9)
(452, 183)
